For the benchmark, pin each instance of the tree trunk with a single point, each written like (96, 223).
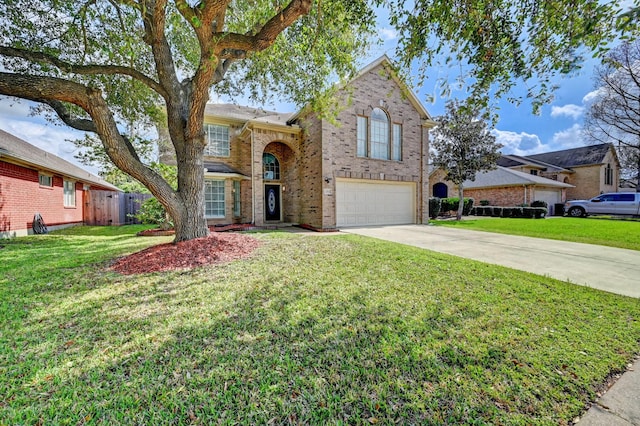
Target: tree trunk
(188, 216)
(461, 203)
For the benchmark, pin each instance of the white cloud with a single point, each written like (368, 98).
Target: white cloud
(518, 143)
(388, 34)
(572, 137)
(569, 110)
(591, 96)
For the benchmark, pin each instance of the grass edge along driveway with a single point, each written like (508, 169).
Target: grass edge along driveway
(332, 330)
(606, 232)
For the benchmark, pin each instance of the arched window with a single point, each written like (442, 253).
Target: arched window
(379, 134)
(270, 167)
(440, 190)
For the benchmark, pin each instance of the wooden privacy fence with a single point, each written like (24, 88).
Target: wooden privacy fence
(111, 208)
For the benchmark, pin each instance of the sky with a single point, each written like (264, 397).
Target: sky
(557, 127)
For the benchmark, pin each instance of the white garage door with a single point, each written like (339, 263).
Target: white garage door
(361, 203)
(552, 196)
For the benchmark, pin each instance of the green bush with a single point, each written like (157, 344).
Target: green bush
(539, 203)
(506, 211)
(435, 205)
(484, 202)
(151, 211)
(496, 212)
(539, 212)
(516, 212)
(451, 205)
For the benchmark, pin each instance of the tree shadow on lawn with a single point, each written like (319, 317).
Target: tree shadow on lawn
(161, 348)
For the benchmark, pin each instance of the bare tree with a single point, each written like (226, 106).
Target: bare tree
(614, 117)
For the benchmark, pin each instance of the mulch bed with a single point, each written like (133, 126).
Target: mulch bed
(213, 249)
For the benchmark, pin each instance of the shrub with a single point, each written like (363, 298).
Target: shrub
(496, 212)
(451, 204)
(539, 203)
(484, 202)
(435, 205)
(516, 212)
(151, 211)
(528, 212)
(506, 211)
(539, 212)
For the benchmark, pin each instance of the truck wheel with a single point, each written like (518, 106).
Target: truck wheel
(576, 212)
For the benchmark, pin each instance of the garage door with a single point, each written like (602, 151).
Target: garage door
(552, 197)
(374, 202)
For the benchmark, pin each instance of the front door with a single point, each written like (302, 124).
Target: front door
(272, 202)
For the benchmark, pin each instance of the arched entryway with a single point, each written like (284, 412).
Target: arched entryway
(440, 190)
(279, 183)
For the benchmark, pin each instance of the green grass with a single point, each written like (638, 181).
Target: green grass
(310, 330)
(605, 232)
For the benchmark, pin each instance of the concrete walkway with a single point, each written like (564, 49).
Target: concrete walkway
(605, 268)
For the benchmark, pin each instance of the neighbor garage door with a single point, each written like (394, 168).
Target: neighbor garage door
(374, 202)
(551, 196)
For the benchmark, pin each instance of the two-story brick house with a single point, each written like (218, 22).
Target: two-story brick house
(369, 168)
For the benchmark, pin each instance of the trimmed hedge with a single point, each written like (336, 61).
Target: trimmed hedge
(517, 212)
(451, 204)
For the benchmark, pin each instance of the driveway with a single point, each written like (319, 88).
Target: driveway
(605, 268)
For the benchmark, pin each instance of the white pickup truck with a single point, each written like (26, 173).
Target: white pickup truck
(613, 203)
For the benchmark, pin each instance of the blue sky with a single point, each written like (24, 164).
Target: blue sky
(558, 126)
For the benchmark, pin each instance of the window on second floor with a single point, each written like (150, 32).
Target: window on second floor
(270, 167)
(533, 172)
(377, 138)
(217, 138)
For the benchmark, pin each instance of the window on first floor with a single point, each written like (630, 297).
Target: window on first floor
(214, 205)
(236, 198)
(45, 180)
(69, 189)
(608, 175)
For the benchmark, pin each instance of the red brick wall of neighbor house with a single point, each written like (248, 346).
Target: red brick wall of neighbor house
(339, 157)
(505, 196)
(21, 196)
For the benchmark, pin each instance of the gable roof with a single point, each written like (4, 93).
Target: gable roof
(517, 160)
(503, 176)
(387, 64)
(22, 152)
(245, 113)
(583, 156)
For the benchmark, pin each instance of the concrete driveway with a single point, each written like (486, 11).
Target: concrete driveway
(605, 268)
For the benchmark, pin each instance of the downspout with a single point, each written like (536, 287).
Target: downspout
(421, 189)
(525, 194)
(253, 178)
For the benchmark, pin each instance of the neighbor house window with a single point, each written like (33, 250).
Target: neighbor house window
(45, 180)
(217, 140)
(396, 147)
(361, 131)
(69, 189)
(379, 134)
(236, 198)
(608, 175)
(534, 172)
(214, 207)
(270, 167)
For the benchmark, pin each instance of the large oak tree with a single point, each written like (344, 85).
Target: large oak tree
(101, 65)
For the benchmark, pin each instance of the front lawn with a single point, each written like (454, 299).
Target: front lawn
(309, 330)
(605, 232)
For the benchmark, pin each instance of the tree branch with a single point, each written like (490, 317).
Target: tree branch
(92, 69)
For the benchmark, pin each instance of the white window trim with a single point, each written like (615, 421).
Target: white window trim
(69, 196)
(224, 200)
(209, 149)
(41, 175)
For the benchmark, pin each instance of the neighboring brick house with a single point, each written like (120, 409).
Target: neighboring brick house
(34, 181)
(370, 168)
(592, 169)
(554, 177)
